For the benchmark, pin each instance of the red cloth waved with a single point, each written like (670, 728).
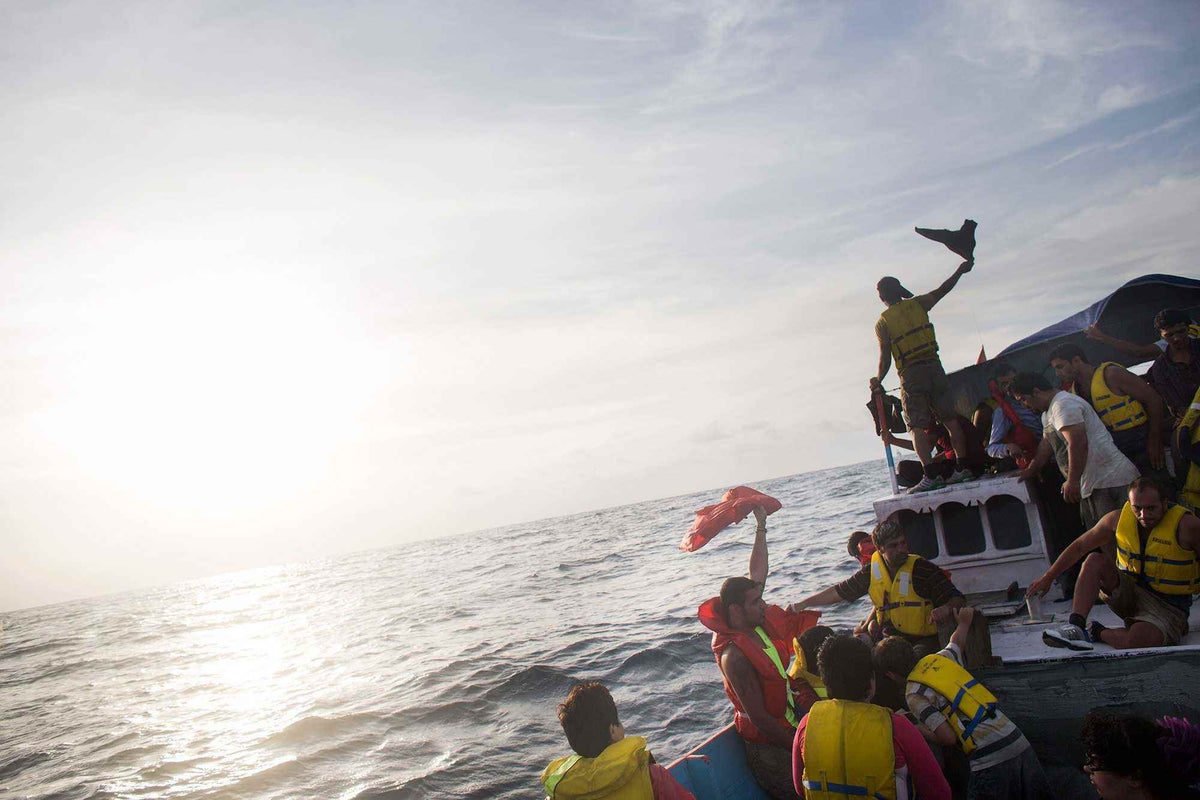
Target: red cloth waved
(735, 506)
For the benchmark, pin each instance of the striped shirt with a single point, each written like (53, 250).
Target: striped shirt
(997, 738)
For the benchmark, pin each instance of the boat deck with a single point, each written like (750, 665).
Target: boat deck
(1016, 639)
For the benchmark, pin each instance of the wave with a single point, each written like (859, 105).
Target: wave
(21, 762)
(317, 728)
(537, 681)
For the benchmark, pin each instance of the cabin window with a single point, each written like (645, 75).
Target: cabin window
(920, 533)
(963, 528)
(1010, 523)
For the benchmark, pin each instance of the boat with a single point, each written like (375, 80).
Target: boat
(992, 535)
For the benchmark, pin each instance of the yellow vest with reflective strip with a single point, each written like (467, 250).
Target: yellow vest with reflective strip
(897, 601)
(773, 654)
(621, 772)
(848, 752)
(1118, 412)
(911, 333)
(1189, 495)
(1164, 566)
(799, 671)
(970, 703)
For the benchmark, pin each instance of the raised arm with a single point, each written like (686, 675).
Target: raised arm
(1104, 532)
(1146, 352)
(963, 616)
(1122, 381)
(758, 553)
(930, 300)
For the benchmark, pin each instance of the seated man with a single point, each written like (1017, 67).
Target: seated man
(910, 594)
(955, 709)
(1015, 429)
(606, 762)
(1150, 586)
(848, 746)
(1128, 406)
(753, 646)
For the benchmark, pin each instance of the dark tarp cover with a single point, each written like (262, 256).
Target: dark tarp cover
(1128, 313)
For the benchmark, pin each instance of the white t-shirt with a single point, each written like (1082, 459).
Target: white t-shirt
(1106, 465)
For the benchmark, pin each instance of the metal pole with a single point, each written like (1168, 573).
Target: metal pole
(887, 448)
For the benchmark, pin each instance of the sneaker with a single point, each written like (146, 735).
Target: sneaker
(927, 484)
(1094, 631)
(960, 476)
(1071, 637)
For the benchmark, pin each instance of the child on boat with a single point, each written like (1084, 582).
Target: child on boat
(607, 763)
(953, 708)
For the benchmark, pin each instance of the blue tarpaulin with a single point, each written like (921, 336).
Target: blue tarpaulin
(1128, 313)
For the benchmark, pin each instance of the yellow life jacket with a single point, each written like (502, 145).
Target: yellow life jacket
(621, 772)
(897, 601)
(1118, 412)
(799, 672)
(1165, 566)
(911, 332)
(848, 752)
(1189, 495)
(970, 703)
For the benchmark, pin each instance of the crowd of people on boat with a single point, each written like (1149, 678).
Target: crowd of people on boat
(890, 709)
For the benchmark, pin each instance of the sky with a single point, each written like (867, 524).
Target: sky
(285, 280)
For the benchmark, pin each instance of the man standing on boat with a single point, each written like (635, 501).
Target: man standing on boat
(1096, 472)
(752, 642)
(906, 335)
(1128, 406)
(911, 595)
(1151, 585)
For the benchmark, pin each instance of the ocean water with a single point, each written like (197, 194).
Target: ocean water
(430, 669)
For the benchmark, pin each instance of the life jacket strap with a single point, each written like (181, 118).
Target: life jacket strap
(552, 781)
(840, 788)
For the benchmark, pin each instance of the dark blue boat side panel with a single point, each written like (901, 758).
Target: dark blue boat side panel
(716, 770)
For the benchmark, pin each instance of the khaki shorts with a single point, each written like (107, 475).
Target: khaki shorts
(925, 395)
(1134, 603)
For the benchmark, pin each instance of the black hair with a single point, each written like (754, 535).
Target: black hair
(586, 715)
(853, 542)
(894, 654)
(1149, 482)
(1067, 352)
(1027, 382)
(810, 644)
(1169, 318)
(1128, 745)
(845, 665)
(733, 592)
